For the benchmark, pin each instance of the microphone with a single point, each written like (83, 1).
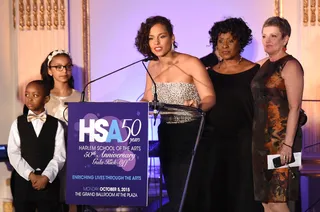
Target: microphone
(155, 101)
(83, 93)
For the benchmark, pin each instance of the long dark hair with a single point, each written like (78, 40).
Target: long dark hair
(44, 69)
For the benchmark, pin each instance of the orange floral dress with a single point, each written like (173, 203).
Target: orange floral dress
(271, 110)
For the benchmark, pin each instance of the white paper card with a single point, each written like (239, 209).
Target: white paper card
(120, 100)
(297, 163)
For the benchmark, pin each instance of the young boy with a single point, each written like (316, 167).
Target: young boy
(36, 150)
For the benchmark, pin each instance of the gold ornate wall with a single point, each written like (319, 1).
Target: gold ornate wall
(278, 8)
(39, 14)
(304, 17)
(311, 12)
(310, 36)
(39, 26)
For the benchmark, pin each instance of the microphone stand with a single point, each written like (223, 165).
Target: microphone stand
(83, 93)
(155, 101)
(194, 151)
(311, 145)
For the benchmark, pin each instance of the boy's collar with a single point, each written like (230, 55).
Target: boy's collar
(31, 112)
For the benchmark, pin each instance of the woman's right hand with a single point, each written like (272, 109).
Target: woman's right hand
(191, 103)
(285, 154)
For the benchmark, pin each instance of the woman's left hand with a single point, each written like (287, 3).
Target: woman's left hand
(285, 154)
(191, 103)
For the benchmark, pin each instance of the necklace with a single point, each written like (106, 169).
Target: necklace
(237, 63)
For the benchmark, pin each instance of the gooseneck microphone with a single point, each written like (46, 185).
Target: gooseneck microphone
(155, 101)
(83, 93)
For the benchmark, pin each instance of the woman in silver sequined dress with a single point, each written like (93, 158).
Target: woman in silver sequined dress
(181, 79)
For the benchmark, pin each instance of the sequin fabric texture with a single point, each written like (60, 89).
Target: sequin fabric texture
(176, 93)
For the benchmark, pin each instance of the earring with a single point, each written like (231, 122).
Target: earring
(172, 47)
(284, 49)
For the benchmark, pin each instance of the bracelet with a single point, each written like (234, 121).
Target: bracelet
(287, 145)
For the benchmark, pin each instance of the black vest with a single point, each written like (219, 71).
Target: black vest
(37, 151)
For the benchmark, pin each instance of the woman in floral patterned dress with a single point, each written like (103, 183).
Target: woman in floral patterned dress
(277, 91)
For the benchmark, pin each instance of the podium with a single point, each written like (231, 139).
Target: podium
(107, 154)
(3, 153)
(107, 150)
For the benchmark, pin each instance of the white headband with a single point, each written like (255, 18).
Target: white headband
(56, 52)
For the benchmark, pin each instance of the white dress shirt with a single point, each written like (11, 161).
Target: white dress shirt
(21, 165)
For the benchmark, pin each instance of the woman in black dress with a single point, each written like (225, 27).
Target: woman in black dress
(231, 184)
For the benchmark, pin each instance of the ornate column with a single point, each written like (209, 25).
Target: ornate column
(278, 8)
(86, 44)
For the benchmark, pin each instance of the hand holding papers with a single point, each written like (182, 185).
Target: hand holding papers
(296, 163)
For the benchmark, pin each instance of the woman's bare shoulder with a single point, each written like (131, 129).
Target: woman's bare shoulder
(188, 57)
(248, 64)
(188, 60)
(262, 61)
(292, 66)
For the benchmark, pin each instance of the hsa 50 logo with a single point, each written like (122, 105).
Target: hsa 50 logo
(100, 130)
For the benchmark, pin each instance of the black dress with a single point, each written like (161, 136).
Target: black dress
(230, 174)
(177, 135)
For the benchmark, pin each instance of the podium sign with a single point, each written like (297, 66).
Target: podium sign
(107, 154)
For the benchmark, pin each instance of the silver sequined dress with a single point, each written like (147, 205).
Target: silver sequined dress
(176, 93)
(177, 133)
